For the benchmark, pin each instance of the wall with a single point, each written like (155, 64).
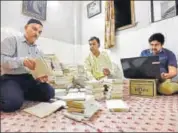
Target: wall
(59, 24)
(60, 34)
(68, 33)
(63, 50)
(129, 42)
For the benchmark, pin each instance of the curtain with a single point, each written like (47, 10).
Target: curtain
(109, 24)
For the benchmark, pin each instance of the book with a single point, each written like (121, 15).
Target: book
(54, 63)
(117, 105)
(75, 117)
(82, 104)
(86, 115)
(77, 110)
(60, 92)
(41, 68)
(75, 104)
(73, 96)
(43, 109)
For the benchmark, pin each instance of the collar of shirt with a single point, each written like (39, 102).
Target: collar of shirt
(95, 56)
(23, 39)
(161, 50)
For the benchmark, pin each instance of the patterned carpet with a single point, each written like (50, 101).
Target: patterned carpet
(158, 114)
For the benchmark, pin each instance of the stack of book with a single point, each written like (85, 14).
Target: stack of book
(81, 109)
(116, 91)
(60, 92)
(96, 89)
(63, 81)
(69, 69)
(78, 96)
(75, 106)
(78, 106)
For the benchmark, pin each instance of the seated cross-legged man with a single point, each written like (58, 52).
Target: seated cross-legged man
(17, 56)
(168, 64)
(98, 64)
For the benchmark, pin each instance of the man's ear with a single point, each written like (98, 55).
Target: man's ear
(25, 27)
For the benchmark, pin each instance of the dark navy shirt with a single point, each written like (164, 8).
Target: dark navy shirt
(166, 58)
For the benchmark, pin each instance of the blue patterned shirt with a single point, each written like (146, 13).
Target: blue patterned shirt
(166, 58)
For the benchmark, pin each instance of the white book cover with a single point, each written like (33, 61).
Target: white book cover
(117, 105)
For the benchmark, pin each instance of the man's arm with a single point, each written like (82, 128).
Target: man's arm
(172, 67)
(112, 73)
(144, 53)
(8, 49)
(172, 71)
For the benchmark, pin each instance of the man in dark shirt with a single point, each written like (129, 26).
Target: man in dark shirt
(168, 63)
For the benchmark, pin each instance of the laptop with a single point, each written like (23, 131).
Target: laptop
(141, 67)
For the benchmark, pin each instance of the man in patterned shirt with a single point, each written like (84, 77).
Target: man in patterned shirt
(168, 63)
(17, 54)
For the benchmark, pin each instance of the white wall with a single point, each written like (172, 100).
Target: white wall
(67, 29)
(63, 50)
(61, 34)
(59, 24)
(129, 42)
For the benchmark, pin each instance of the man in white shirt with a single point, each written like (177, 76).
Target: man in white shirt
(17, 54)
(98, 64)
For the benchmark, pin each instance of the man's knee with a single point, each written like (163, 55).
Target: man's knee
(166, 89)
(48, 92)
(11, 96)
(11, 104)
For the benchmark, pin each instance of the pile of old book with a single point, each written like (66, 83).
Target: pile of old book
(96, 89)
(115, 88)
(81, 109)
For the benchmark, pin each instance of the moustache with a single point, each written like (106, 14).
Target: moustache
(35, 36)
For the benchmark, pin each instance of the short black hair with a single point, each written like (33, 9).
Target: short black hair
(95, 38)
(34, 21)
(157, 37)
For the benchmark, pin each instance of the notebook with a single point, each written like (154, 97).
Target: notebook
(117, 105)
(43, 109)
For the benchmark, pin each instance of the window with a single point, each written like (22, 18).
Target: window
(161, 10)
(124, 14)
